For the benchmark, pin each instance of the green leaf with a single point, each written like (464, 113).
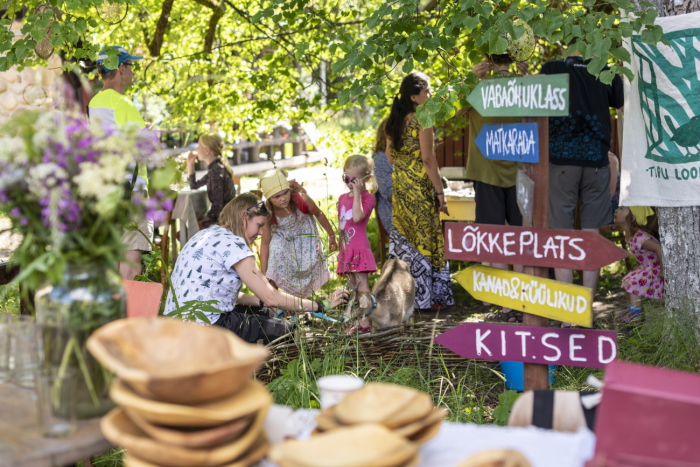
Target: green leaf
(649, 37)
(421, 56)
(431, 44)
(407, 65)
(471, 22)
(621, 53)
(499, 46)
(649, 16)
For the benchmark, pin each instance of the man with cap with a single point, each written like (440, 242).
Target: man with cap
(114, 110)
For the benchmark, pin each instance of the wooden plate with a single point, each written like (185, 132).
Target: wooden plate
(250, 399)
(368, 445)
(149, 354)
(193, 438)
(253, 455)
(412, 428)
(120, 430)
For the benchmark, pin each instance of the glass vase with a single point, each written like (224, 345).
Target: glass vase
(87, 297)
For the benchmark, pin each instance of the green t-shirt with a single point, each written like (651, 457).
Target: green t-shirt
(116, 110)
(498, 173)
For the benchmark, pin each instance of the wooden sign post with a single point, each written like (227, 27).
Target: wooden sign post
(515, 142)
(529, 246)
(543, 297)
(574, 347)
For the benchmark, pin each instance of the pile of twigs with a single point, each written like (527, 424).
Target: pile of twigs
(407, 343)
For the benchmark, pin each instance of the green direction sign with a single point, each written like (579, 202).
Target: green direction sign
(527, 96)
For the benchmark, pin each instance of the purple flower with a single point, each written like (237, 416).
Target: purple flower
(23, 221)
(15, 212)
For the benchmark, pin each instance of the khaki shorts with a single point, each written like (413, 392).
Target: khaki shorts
(133, 240)
(571, 184)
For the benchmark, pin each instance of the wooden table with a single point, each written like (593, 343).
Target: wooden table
(21, 442)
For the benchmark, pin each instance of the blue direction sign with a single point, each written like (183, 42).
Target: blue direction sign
(517, 142)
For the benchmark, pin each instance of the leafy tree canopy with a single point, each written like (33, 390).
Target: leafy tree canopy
(252, 63)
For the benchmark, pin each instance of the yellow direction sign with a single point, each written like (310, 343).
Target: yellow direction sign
(543, 297)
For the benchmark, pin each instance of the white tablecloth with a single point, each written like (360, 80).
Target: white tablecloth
(457, 442)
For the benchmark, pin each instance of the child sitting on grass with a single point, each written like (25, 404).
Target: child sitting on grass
(647, 281)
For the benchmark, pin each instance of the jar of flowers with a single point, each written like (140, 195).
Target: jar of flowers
(62, 184)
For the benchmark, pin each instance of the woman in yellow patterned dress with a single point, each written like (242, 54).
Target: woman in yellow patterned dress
(417, 197)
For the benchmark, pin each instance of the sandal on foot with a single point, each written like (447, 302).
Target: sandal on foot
(629, 318)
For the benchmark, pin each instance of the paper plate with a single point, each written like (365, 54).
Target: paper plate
(149, 353)
(193, 438)
(253, 455)
(389, 404)
(250, 399)
(120, 430)
(369, 445)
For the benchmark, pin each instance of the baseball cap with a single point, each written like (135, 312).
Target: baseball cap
(123, 56)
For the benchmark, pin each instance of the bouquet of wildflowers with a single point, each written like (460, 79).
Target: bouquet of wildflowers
(62, 185)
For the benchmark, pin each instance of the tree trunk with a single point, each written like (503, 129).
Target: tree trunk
(679, 228)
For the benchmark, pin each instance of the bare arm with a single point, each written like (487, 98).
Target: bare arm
(387, 151)
(247, 300)
(256, 281)
(614, 170)
(322, 219)
(265, 246)
(427, 153)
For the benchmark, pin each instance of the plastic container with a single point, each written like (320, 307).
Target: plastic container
(515, 375)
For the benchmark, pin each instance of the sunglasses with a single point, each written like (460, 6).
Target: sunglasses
(261, 205)
(349, 180)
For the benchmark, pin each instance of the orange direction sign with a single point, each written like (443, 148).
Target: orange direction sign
(554, 248)
(542, 297)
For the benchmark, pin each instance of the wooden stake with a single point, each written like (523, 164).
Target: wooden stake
(535, 376)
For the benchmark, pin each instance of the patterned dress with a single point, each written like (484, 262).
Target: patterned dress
(644, 281)
(355, 251)
(296, 261)
(417, 234)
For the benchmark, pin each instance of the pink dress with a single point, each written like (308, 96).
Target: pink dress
(644, 281)
(355, 253)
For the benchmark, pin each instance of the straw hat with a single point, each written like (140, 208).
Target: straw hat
(368, 445)
(272, 182)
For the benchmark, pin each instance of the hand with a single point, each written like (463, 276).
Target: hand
(481, 70)
(338, 297)
(358, 186)
(332, 244)
(191, 156)
(443, 204)
(522, 68)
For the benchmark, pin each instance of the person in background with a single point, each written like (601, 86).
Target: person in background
(114, 110)
(291, 253)
(382, 173)
(578, 154)
(355, 260)
(614, 182)
(647, 281)
(217, 261)
(494, 181)
(417, 196)
(219, 177)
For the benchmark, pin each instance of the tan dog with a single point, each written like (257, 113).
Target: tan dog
(394, 292)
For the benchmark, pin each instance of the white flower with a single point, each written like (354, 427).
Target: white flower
(45, 177)
(11, 177)
(13, 149)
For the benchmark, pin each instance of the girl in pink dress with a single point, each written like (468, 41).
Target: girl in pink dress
(647, 281)
(356, 260)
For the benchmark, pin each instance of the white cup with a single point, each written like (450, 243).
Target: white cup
(334, 388)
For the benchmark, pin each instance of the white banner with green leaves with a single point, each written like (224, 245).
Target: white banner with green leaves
(661, 136)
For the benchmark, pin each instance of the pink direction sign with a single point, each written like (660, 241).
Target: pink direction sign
(554, 248)
(556, 346)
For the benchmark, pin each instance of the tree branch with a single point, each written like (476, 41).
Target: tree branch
(156, 43)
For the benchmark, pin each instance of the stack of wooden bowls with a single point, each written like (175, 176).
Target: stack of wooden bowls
(405, 411)
(370, 445)
(185, 393)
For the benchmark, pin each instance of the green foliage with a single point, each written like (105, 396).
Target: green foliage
(506, 400)
(9, 299)
(248, 65)
(194, 309)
